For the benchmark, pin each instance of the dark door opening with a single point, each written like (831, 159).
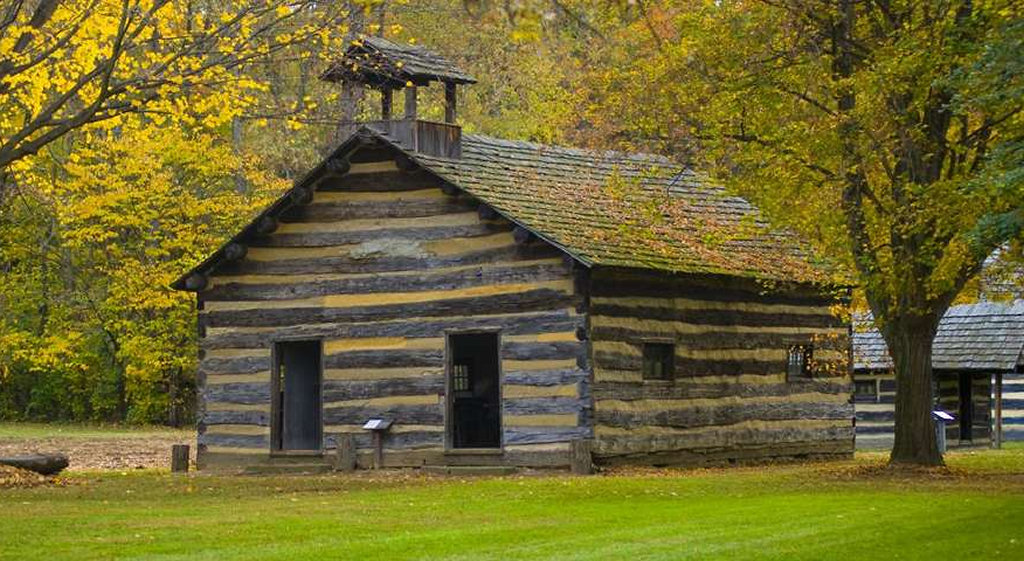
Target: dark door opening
(474, 397)
(296, 389)
(966, 407)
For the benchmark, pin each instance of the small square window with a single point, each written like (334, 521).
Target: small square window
(460, 378)
(865, 390)
(798, 366)
(659, 361)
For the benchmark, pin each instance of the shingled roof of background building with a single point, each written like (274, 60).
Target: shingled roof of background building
(602, 208)
(982, 336)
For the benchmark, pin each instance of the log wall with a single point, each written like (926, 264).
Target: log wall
(378, 266)
(1013, 406)
(875, 415)
(729, 399)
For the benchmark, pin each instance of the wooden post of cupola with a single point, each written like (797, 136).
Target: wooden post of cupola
(449, 102)
(385, 103)
(410, 102)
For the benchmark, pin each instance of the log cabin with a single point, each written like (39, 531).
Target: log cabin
(428, 298)
(977, 372)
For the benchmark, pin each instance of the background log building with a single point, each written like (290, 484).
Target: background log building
(497, 301)
(978, 376)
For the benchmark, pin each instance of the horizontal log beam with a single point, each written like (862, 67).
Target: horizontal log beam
(381, 181)
(704, 416)
(529, 301)
(383, 264)
(466, 277)
(512, 324)
(693, 390)
(327, 239)
(723, 340)
(717, 317)
(366, 210)
(722, 438)
(694, 287)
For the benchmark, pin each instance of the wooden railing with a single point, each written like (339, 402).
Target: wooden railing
(425, 137)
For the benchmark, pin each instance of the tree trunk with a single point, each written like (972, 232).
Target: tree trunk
(910, 346)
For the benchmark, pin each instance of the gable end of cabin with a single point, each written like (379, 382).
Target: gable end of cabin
(371, 298)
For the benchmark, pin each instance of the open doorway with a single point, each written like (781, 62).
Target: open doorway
(966, 399)
(297, 422)
(474, 390)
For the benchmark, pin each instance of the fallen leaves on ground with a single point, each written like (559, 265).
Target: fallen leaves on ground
(101, 453)
(17, 477)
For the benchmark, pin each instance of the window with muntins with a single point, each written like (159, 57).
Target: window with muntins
(460, 378)
(799, 364)
(659, 361)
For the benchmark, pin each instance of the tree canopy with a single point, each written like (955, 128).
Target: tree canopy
(888, 133)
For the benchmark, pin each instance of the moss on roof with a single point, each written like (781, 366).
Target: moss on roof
(624, 210)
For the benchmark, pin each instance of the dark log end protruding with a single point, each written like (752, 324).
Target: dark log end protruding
(449, 189)
(581, 460)
(486, 212)
(581, 333)
(405, 163)
(266, 225)
(338, 166)
(302, 195)
(522, 235)
(196, 282)
(235, 251)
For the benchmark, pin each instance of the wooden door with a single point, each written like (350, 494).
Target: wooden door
(299, 423)
(474, 390)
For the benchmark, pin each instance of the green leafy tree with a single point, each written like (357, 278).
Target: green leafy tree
(119, 169)
(889, 132)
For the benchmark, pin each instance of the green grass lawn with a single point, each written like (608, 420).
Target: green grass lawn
(842, 511)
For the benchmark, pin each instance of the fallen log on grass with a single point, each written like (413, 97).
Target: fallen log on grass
(44, 464)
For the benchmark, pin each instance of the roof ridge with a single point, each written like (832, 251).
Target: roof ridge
(589, 152)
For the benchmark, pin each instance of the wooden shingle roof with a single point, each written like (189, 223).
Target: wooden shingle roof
(986, 336)
(601, 208)
(623, 210)
(379, 62)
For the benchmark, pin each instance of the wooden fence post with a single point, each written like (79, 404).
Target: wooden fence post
(179, 458)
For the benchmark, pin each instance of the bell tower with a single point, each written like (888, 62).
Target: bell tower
(378, 64)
